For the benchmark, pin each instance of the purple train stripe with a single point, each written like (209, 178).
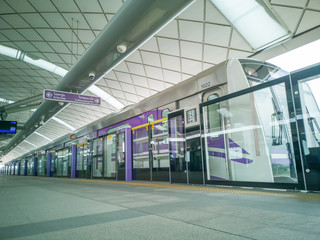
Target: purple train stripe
(217, 154)
(217, 178)
(232, 144)
(242, 160)
(284, 161)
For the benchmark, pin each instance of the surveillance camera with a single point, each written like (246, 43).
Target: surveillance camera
(121, 48)
(92, 76)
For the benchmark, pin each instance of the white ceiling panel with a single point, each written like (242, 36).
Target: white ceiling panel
(43, 5)
(169, 46)
(190, 66)
(214, 54)
(314, 4)
(96, 21)
(136, 68)
(194, 12)
(88, 6)
(310, 19)
(111, 6)
(150, 45)
(291, 3)
(213, 15)
(60, 32)
(154, 72)
(21, 6)
(191, 50)
(217, 35)
(140, 81)
(172, 77)
(170, 31)
(192, 31)
(151, 58)
(170, 62)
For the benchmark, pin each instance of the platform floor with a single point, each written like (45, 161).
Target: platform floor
(50, 208)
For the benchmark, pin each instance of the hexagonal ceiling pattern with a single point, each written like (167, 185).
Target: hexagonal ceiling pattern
(60, 31)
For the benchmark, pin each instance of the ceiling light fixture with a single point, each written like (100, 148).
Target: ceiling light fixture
(254, 21)
(63, 123)
(105, 96)
(41, 135)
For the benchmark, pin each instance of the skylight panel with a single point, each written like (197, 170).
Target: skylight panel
(254, 21)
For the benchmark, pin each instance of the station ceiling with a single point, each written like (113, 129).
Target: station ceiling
(59, 32)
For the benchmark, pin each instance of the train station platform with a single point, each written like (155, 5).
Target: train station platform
(56, 208)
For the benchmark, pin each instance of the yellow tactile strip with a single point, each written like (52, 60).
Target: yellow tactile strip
(257, 192)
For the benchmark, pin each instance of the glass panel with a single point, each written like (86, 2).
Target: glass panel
(150, 118)
(310, 135)
(42, 163)
(30, 166)
(160, 152)
(177, 148)
(121, 150)
(63, 162)
(258, 73)
(164, 113)
(110, 156)
(253, 141)
(97, 156)
(79, 158)
(22, 168)
(141, 170)
(121, 156)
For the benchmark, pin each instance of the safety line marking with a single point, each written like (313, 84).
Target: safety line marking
(305, 196)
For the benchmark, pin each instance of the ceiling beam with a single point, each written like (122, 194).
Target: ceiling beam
(135, 23)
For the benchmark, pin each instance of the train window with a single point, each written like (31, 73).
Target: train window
(164, 113)
(257, 72)
(214, 117)
(150, 118)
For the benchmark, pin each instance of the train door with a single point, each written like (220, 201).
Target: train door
(97, 158)
(117, 158)
(82, 161)
(142, 161)
(160, 150)
(307, 100)
(63, 162)
(178, 165)
(121, 156)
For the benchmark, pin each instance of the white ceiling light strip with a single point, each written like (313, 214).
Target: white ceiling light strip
(41, 135)
(3, 100)
(22, 148)
(298, 58)
(63, 123)
(30, 143)
(254, 21)
(105, 96)
(14, 53)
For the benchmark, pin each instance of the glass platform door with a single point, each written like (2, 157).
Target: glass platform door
(178, 165)
(121, 156)
(160, 150)
(307, 100)
(142, 164)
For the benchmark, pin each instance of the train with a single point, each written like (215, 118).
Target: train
(231, 124)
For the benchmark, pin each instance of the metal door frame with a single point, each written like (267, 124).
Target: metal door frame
(295, 77)
(174, 114)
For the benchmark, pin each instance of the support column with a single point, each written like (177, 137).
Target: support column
(49, 164)
(14, 168)
(73, 161)
(128, 154)
(19, 168)
(25, 167)
(34, 166)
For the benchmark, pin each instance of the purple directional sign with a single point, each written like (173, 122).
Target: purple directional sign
(70, 97)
